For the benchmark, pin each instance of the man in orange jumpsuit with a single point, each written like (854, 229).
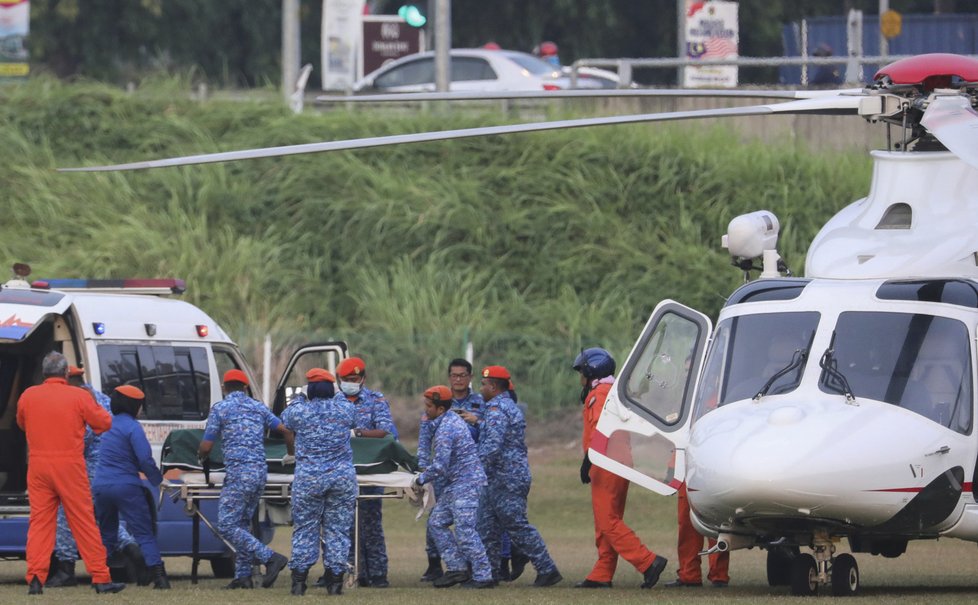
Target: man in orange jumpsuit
(608, 491)
(54, 415)
(690, 544)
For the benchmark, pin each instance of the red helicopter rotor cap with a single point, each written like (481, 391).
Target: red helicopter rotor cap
(933, 70)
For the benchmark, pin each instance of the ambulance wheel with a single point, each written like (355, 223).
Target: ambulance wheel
(223, 567)
(845, 576)
(804, 576)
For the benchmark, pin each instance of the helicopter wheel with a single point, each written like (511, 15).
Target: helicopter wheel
(804, 576)
(845, 576)
(779, 559)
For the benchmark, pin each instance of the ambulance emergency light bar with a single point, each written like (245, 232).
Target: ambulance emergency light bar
(159, 287)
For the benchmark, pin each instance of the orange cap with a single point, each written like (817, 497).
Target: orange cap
(438, 393)
(496, 372)
(236, 375)
(351, 366)
(130, 391)
(75, 371)
(320, 375)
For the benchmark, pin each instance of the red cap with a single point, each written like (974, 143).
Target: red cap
(438, 393)
(352, 366)
(320, 375)
(75, 371)
(495, 372)
(130, 391)
(492, 46)
(236, 376)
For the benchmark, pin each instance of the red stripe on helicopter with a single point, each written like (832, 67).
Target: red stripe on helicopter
(965, 487)
(599, 442)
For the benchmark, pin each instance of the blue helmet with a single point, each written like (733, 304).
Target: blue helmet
(595, 362)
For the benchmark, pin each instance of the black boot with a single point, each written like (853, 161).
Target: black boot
(504, 570)
(518, 564)
(109, 587)
(434, 570)
(136, 567)
(299, 582)
(324, 579)
(64, 576)
(335, 585)
(160, 581)
(35, 587)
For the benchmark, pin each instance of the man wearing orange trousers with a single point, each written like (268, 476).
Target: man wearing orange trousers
(54, 415)
(608, 491)
(689, 547)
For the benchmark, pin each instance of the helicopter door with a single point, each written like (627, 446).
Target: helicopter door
(325, 355)
(644, 427)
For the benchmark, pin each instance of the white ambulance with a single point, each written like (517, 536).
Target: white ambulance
(124, 332)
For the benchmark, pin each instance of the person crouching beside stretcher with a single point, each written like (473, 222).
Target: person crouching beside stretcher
(324, 492)
(456, 466)
(124, 453)
(240, 422)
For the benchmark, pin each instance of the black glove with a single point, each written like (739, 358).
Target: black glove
(586, 470)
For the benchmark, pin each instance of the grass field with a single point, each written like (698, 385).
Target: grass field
(931, 572)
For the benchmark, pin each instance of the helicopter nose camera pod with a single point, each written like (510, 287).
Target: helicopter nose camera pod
(754, 235)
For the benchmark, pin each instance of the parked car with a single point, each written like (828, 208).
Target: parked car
(590, 78)
(472, 69)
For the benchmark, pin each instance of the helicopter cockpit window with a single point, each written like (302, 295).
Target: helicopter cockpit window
(921, 363)
(657, 382)
(748, 351)
(897, 216)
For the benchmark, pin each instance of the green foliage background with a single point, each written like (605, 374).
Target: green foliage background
(531, 246)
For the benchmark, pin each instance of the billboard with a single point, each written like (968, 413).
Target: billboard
(15, 18)
(712, 32)
(340, 42)
(385, 38)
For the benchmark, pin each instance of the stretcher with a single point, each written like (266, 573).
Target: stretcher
(379, 463)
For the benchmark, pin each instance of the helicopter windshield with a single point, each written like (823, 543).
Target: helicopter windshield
(748, 351)
(919, 362)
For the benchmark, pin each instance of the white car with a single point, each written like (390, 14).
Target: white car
(589, 77)
(472, 69)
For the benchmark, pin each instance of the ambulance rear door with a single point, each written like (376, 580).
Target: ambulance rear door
(326, 355)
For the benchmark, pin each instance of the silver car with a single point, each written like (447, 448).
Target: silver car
(472, 69)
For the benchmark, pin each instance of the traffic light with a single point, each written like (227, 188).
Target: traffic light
(412, 15)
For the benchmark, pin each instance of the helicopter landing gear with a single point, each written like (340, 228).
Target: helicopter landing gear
(804, 576)
(845, 576)
(808, 572)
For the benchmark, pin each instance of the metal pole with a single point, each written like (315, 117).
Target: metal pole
(884, 42)
(681, 41)
(854, 72)
(804, 51)
(266, 371)
(443, 44)
(290, 47)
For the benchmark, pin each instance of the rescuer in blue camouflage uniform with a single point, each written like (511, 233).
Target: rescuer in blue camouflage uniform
(469, 404)
(324, 492)
(240, 422)
(65, 549)
(373, 420)
(456, 466)
(502, 448)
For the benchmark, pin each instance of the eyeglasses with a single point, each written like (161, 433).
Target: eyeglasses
(455, 376)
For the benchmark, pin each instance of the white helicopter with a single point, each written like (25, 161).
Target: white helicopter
(836, 405)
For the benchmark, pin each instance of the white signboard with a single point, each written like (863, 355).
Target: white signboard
(712, 32)
(15, 17)
(340, 42)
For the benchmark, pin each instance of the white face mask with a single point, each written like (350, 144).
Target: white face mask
(350, 388)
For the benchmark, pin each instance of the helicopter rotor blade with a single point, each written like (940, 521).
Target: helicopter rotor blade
(406, 97)
(820, 105)
(952, 120)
